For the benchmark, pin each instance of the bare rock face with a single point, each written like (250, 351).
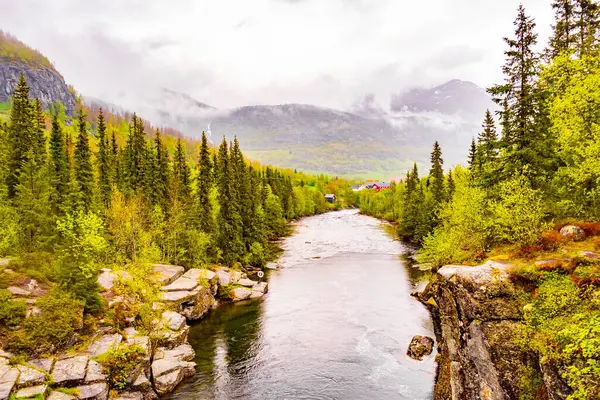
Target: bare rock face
(45, 84)
(477, 321)
(103, 344)
(573, 232)
(8, 380)
(419, 347)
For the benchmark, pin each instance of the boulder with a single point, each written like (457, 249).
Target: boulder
(224, 277)
(168, 373)
(95, 372)
(103, 343)
(141, 341)
(17, 291)
(573, 233)
(167, 273)
(420, 346)
(69, 371)
(106, 279)
(60, 396)
(44, 364)
(36, 392)
(173, 320)
(30, 377)
(247, 282)
(183, 352)
(197, 306)
(261, 287)
(181, 284)
(197, 273)
(95, 391)
(171, 339)
(143, 386)
(241, 293)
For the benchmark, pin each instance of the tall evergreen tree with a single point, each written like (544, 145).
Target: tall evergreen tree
(161, 172)
(587, 14)
(205, 184)
(451, 186)
(135, 153)
(472, 154)
(115, 158)
(20, 133)
(103, 161)
(437, 174)
(229, 220)
(84, 175)
(38, 139)
(521, 138)
(59, 167)
(564, 35)
(181, 172)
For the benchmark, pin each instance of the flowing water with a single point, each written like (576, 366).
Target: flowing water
(335, 324)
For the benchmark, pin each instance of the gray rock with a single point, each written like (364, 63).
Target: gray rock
(247, 282)
(241, 293)
(167, 273)
(95, 372)
(60, 396)
(173, 320)
(8, 380)
(103, 343)
(6, 389)
(235, 277)
(197, 306)
(573, 232)
(172, 375)
(420, 346)
(184, 352)
(197, 273)
(6, 354)
(30, 377)
(141, 341)
(17, 291)
(224, 277)
(179, 297)
(261, 287)
(32, 392)
(256, 294)
(106, 280)
(69, 371)
(45, 364)
(171, 339)
(130, 396)
(588, 254)
(95, 391)
(181, 284)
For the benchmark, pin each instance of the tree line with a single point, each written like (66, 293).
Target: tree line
(535, 160)
(88, 197)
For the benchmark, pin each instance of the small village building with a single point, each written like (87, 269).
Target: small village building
(330, 198)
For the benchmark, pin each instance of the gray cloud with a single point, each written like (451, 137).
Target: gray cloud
(234, 52)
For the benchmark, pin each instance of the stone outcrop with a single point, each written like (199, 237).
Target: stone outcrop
(419, 347)
(45, 84)
(477, 317)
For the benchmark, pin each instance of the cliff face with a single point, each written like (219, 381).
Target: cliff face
(477, 317)
(44, 83)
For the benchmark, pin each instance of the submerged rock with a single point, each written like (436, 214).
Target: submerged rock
(420, 346)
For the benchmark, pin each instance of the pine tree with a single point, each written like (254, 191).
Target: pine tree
(437, 174)
(521, 139)
(59, 167)
(587, 15)
(84, 176)
(115, 157)
(161, 172)
(102, 158)
(564, 35)
(229, 220)
(451, 186)
(181, 172)
(20, 134)
(472, 154)
(135, 153)
(205, 184)
(38, 139)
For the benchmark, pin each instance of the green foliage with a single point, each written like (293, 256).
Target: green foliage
(52, 330)
(11, 312)
(12, 48)
(120, 363)
(84, 175)
(225, 292)
(40, 265)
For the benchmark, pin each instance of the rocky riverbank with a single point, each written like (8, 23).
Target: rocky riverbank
(166, 355)
(478, 314)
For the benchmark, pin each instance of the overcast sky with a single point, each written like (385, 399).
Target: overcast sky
(235, 52)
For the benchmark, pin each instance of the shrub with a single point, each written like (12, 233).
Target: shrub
(53, 329)
(11, 312)
(39, 266)
(120, 363)
(225, 292)
(551, 240)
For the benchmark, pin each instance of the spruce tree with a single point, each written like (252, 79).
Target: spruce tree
(135, 149)
(38, 139)
(181, 172)
(451, 186)
(564, 35)
(205, 184)
(472, 154)
(103, 160)
(161, 172)
(229, 220)
(59, 167)
(115, 157)
(587, 15)
(521, 138)
(20, 134)
(437, 174)
(84, 175)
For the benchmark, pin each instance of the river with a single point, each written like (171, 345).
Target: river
(335, 324)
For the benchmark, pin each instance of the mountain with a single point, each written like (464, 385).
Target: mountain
(45, 83)
(453, 97)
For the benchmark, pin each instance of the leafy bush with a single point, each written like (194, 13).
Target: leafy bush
(225, 292)
(53, 329)
(11, 312)
(120, 363)
(39, 266)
